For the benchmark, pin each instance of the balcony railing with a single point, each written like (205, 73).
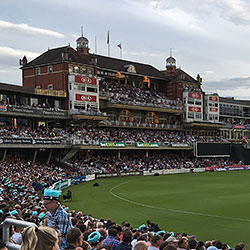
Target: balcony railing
(146, 125)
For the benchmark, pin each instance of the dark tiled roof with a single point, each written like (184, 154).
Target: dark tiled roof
(104, 62)
(15, 88)
(55, 56)
(233, 101)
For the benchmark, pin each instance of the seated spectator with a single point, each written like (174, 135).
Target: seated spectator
(182, 243)
(111, 239)
(155, 242)
(74, 239)
(39, 238)
(95, 240)
(126, 240)
(240, 246)
(141, 245)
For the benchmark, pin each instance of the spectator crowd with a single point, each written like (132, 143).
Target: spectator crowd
(127, 94)
(93, 136)
(137, 162)
(21, 195)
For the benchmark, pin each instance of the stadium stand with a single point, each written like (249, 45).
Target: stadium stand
(56, 126)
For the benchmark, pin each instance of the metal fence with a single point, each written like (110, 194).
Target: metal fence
(6, 231)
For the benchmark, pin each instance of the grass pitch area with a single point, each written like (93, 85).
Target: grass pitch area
(208, 205)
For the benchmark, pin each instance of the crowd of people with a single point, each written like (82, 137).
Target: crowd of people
(138, 162)
(26, 132)
(127, 94)
(24, 195)
(93, 136)
(97, 135)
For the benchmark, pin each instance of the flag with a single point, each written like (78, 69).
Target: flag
(108, 38)
(119, 46)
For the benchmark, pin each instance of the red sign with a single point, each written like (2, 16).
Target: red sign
(194, 109)
(85, 98)
(86, 80)
(194, 95)
(239, 126)
(213, 98)
(213, 109)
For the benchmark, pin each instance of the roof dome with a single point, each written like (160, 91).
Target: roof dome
(171, 60)
(82, 39)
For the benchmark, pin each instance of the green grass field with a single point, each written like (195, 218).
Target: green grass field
(208, 205)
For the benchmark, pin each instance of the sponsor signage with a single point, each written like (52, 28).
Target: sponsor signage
(247, 126)
(105, 175)
(117, 175)
(147, 145)
(3, 108)
(86, 80)
(213, 109)
(227, 168)
(29, 141)
(85, 98)
(131, 173)
(35, 111)
(113, 144)
(46, 141)
(179, 144)
(213, 98)
(194, 109)
(194, 95)
(78, 179)
(239, 126)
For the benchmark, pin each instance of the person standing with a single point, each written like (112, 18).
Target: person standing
(57, 216)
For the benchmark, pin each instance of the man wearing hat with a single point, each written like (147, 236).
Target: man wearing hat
(95, 240)
(57, 216)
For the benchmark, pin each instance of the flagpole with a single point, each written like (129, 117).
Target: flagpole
(95, 45)
(108, 43)
(120, 47)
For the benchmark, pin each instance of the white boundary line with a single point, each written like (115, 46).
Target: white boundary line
(171, 210)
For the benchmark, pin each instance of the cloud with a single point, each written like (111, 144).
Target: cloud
(229, 85)
(236, 11)
(10, 56)
(25, 28)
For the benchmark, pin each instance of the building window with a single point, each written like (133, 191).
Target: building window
(124, 116)
(76, 69)
(90, 71)
(71, 69)
(50, 87)
(151, 118)
(198, 115)
(83, 71)
(50, 69)
(38, 71)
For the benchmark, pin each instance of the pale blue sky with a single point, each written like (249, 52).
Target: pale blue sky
(208, 37)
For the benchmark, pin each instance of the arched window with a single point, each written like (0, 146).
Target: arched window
(151, 118)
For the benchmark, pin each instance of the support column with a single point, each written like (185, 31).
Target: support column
(4, 155)
(34, 157)
(50, 154)
(146, 153)
(119, 154)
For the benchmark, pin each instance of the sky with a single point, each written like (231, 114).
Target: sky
(207, 37)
